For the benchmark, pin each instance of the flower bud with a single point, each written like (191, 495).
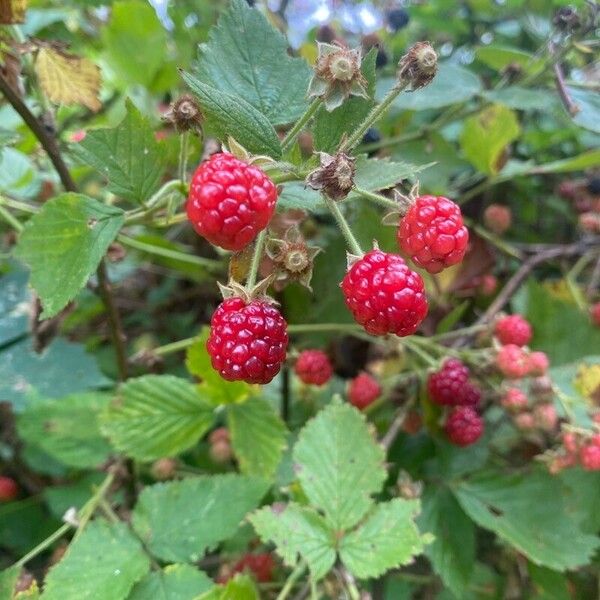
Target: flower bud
(185, 114)
(335, 176)
(418, 66)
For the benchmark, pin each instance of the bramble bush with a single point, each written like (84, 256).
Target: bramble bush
(320, 322)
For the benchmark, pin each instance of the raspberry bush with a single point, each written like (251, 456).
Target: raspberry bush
(293, 314)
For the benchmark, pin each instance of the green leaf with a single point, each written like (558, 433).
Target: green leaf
(60, 369)
(486, 135)
(297, 531)
(580, 162)
(548, 584)
(452, 552)
(339, 464)
(174, 582)
(258, 436)
(241, 587)
(230, 115)
(64, 244)
(451, 85)
(67, 429)
(8, 581)
(329, 127)
(213, 386)
(387, 539)
(17, 174)
(14, 306)
(181, 520)
(500, 57)
(23, 525)
(127, 155)
(523, 98)
(156, 416)
(60, 498)
(588, 103)
(503, 504)
(246, 56)
(134, 25)
(103, 563)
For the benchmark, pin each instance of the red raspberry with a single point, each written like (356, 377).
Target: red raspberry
(432, 233)
(595, 314)
(590, 455)
(524, 421)
(9, 489)
(513, 329)
(451, 386)
(260, 565)
(514, 400)
(247, 341)
(384, 295)
(313, 367)
(497, 218)
(560, 463)
(512, 361)
(363, 390)
(546, 417)
(488, 285)
(463, 426)
(412, 422)
(230, 201)
(538, 364)
(570, 442)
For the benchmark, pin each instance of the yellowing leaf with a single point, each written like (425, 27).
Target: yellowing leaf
(68, 79)
(587, 381)
(12, 11)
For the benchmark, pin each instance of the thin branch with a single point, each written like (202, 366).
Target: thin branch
(563, 92)
(392, 433)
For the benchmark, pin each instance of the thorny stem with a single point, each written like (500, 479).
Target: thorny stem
(343, 225)
(256, 258)
(291, 135)
(291, 580)
(376, 112)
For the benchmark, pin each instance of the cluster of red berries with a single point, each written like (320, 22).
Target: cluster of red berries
(260, 566)
(363, 390)
(534, 410)
(9, 490)
(451, 386)
(578, 448)
(313, 367)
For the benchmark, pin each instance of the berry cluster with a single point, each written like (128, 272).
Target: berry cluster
(577, 448)
(451, 386)
(532, 411)
(363, 390)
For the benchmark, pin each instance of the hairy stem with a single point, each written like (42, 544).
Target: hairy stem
(343, 225)
(291, 135)
(291, 580)
(256, 258)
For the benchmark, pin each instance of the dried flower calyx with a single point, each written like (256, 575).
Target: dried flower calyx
(292, 258)
(337, 75)
(185, 114)
(418, 66)
(335, 176)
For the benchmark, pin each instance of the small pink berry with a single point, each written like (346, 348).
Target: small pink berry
(512, 361)
(538, 363)
(514, 400)
(545, 416)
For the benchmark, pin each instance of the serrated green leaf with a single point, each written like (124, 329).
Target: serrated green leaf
(387, 539)
(8, 580)
(67, 429)
(127, 155)
(297, 531)
(588, 103)
(64, 243)
(499, 57)
(18, 176)
(216, 389)
(62, 368)
(486, 135)
(452, 552)
(258, 436)
(339, 464)
(14, 306)
(580, 162)
(174, 582)
(241, 587)
(181, 520)
(230, 115)
(523, 98)
(103, 563)
(156, 416)
(246, 56)
(502, 503)
(329, 127)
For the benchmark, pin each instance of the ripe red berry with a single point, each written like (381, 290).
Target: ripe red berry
(260, 566)
(230, 201)
(248, 341)
(9, 489)
(595, 314)
(463, 426)
(589, 455)
(513, 329)
(384, 295)
(514, 400)
(538, 364)
(497, 218)
(451, 386)
(313, 367)
(363, 390)
(512, 361)
(433, 234)
(570, 442)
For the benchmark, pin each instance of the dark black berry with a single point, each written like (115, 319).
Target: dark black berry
(371, 136)
(382, 58)
(593, 185)
(397, 18)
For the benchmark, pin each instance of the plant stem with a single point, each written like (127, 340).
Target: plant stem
(86, 513)
(318, 327)
(22, 206)
(156, 200)
(495, 240)
(168, 253)
(174, 346)
(183, 152)
(343, 225)
(11, 220)
(291, 580)
(43, 545)
(376, 112)
(288, 140)
(256, 257)
(378, 199)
